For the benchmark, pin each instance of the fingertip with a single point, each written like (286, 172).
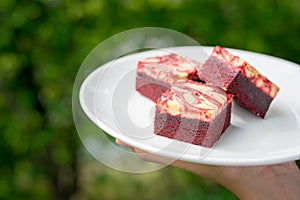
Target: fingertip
(119, 142)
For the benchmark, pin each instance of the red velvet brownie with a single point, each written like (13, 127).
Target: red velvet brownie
(193, 112)
(249, 87)
(155, 75)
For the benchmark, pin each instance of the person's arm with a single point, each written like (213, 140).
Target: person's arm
(279, 181)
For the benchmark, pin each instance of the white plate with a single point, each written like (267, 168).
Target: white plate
(109, 99)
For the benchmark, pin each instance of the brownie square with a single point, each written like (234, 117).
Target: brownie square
(193, 112)
(249, 87)
(155, 75)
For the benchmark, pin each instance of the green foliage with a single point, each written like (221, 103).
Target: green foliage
(42, 44)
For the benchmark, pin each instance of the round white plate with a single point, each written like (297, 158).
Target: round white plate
(109, 99)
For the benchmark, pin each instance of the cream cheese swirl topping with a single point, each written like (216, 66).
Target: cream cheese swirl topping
(194, 100)
(168, 68)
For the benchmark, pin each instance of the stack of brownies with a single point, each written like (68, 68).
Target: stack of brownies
(193, 100)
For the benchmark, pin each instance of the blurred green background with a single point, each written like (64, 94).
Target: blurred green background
(42, 44)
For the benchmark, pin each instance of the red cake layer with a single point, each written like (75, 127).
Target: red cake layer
(250, 88)
(193, 112)
(150, 87)
(155, 75)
